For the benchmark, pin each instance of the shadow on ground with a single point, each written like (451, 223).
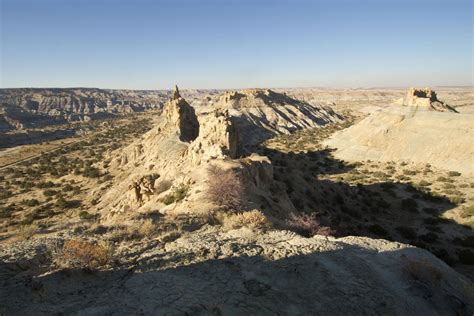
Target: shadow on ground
(352, 280)
(379, 208)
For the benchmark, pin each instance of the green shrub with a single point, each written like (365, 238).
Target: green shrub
(448, 186)
(31, 202)
(467, 211)
(454, 174)
(91, 172)
(49, 192)
(456, 199)
(409, 172)
(62, 203)
(5, 194)
(177, 194)
(424, 183)
(444, 179)
(86, 215)
(67, 188)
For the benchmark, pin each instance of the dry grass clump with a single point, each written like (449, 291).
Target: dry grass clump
(225, 188)
(147, 228)
(82, 254)
(467, 211)
(252, 219)
(308, 225)
(27, 231)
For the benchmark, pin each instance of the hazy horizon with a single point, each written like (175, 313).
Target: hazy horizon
(183, 88)
(145, 45)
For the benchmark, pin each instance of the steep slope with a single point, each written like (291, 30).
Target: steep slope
(411, 134)
(262, 113)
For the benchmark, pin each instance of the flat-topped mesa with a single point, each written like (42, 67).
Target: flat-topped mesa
(425, 98)
(179, 114)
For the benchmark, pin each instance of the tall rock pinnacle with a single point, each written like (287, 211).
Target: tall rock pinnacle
(176, 94)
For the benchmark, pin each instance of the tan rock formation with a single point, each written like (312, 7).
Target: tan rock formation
(425, 98)
(219, 138)
(143, 188)
(180, 115)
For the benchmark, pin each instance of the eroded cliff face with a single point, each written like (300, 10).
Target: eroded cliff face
(41, 107)
(262, 113)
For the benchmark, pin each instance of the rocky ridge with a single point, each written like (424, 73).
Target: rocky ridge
(38, 107)
(262, 113)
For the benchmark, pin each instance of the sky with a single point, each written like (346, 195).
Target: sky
(144, 44)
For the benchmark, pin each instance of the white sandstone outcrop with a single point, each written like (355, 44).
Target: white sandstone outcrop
(425, 99)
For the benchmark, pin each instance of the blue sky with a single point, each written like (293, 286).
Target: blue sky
(235, 44)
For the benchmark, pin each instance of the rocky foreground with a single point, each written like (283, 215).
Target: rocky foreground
(238, 272)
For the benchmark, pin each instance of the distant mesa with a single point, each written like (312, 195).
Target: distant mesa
(425, 98)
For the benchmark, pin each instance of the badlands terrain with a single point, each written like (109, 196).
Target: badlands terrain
(260, 201)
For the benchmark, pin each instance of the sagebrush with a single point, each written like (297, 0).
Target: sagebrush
(225, 188)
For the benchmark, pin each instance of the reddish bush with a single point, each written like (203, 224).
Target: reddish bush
(225, 189)
(308, 225)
